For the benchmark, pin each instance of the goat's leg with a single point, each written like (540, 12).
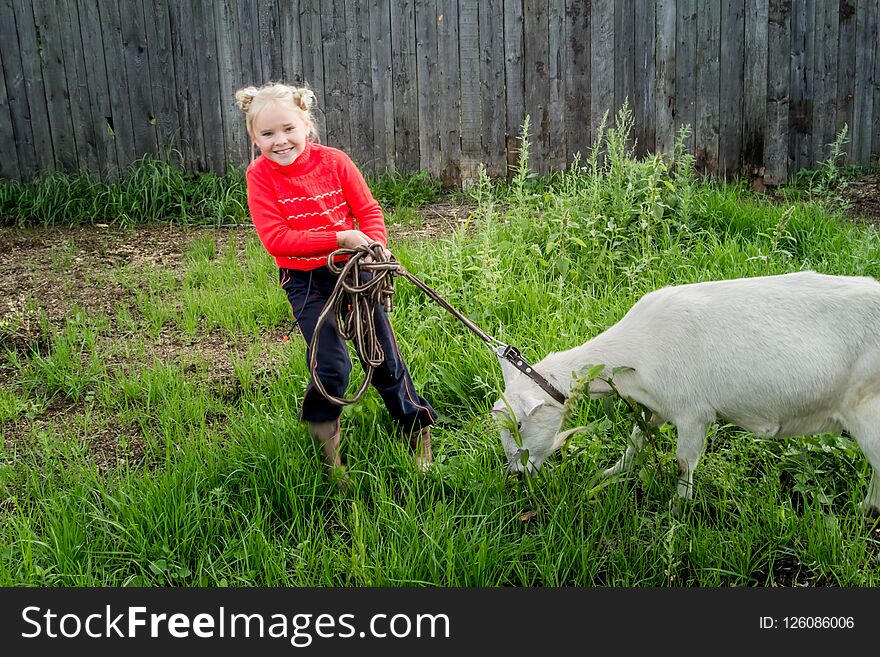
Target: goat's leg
(688, 449)
(864, 426)
(634, 446)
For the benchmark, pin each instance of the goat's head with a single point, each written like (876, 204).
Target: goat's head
(529, 421)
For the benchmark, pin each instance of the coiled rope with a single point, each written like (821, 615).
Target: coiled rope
(352, 302)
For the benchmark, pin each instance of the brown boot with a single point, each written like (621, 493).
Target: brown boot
(420, 441)
(327, 435)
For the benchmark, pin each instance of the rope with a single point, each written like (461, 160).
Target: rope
(352, 302)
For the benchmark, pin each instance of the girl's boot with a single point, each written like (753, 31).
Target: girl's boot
(420, 441)
(327, 435)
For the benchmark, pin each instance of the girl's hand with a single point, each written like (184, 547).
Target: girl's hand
(353, 239)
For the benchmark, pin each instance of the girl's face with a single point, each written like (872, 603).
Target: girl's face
(280, 133)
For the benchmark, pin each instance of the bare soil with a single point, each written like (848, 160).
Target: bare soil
(862, 199)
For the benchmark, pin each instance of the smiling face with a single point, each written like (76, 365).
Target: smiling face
(280, 132)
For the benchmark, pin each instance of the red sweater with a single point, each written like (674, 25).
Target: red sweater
(298, 209)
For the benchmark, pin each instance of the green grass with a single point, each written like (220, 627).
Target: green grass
(395, 190)
(159, 190)
(150, 190)
(214, 481)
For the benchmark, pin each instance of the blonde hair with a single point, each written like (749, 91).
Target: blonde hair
(252, 100)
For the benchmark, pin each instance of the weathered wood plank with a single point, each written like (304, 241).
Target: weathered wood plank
(778, 73)
(186, 85)
(268, 15)
(514, 76)
(77, 86)
(382, 84)
(664, 76)
(210, 99)
(403, 63)
(313, 61)
(469, 74)
(644, 85)
(450, 91)
(708, 85)
(117, 77)
(161, 61)
(291, 42)
(846, 63)
(428, 79)
(98, 91)
(16, 95)
(577, 66)
(9, 162)
(537, 81)
(602, 72)
(624, 54)
(730, 68)
(824, 80)
(336, 73)
(34, 87)
(229, 70)
(686, 71)
(249, 41)
(875, 121)
(557, 154)
(60, 126)
(491, 63)
(800, 111)
(755, 89)
(863, 103)
(137, 71)
(360, 112)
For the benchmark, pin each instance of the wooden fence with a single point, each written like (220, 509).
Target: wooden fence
(440, 85)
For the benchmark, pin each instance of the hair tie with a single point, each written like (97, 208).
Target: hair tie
(309, 98)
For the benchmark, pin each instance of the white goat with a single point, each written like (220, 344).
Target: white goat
(789, 355)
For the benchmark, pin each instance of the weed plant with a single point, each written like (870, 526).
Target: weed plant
(213, 481)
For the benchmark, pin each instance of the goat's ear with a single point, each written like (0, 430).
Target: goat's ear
(508, 371)
(531, 405)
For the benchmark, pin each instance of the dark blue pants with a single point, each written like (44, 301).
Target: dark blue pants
(308, 292)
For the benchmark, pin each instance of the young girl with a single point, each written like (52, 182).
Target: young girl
(307, 200)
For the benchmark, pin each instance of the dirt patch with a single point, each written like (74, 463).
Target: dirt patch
(109, 444)
(861, 199)
(434, 221)
(59, 268)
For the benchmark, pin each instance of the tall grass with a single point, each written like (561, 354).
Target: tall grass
(224, 487)
(159, 190)
(149, 190)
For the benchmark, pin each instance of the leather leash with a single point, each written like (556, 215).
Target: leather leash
(356, 319)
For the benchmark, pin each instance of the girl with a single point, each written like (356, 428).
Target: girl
(307, 200)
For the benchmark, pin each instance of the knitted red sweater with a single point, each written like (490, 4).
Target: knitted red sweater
(298, 209)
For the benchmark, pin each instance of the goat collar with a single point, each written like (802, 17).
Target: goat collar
(512, 355)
